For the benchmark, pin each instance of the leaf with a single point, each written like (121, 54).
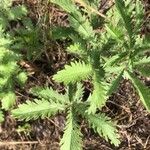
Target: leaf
(144, 47)
(98, 98)
(143, 91)
(4, 83)
(49, 94)
(145, 70)
(125, 16)
(8, 69)
(1, 116)
(100, 123)
(114, 32)
(62, 32)
(17, 12)
(67, 5)
(79, 93)
(73, 73)
(76, 48)
(8, 99)
(81, 25)
(105, 128)
(139, 13)
(71, 139)
(114, 85)
(4, 42)
(36, 109)
(145, 60)
(22, 78)
(6, 4)
(143, 65)
(119, 58)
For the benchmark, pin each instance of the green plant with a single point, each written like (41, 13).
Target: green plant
(10, 73)
(25, 128)
(104, 57)
(50, 102)
(32, 37)
(109, 55)
(29, 38)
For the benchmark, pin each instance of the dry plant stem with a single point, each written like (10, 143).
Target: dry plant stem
(17, 143)
(82, 3)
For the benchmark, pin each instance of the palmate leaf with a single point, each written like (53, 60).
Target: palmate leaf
(105, 128)
(49, 94)
(143, 91)
(37, 109)
(73, 73)
(71, 139)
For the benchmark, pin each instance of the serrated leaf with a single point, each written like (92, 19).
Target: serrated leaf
(71, 139)
(8, 99)
(98, 97)
(4, 42)
(67, 5)
(81, 25)
(49, 94)
(139, 13)
(145, 70)
(37, 109)
(105, 128)
(73, 73)
(79, 93)
(120, 5)
(17, 12)
(114, 32)
(8, 69)
(62, 32)
(22, 78)
(1, 116)
(76, 48)
(114, 85)
(145, 60)
(143, 91)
